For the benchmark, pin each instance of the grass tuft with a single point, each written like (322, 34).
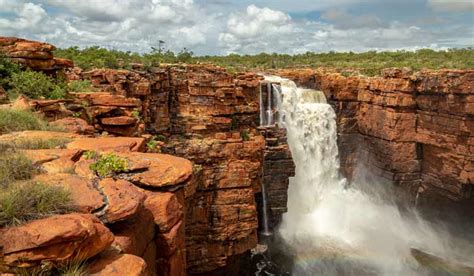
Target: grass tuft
(18, 120)
(25, 143)
(15, 166)
(21, 202)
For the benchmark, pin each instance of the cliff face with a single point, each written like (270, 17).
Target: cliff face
(413, 129)
(208, 117)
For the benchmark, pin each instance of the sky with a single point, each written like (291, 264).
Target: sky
(219, 27)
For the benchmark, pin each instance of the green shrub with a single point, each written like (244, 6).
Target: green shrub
(7, 68)
(14, 166)
(18, 120)
(81, 86)
(108, 164)
(151, 145)
(369, 63)
(22, 202)
(244, 134)
(36, 85)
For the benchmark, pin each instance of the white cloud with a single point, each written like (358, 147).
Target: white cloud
(256, 29)
(452, 5)
(137, 25)
(26, 16)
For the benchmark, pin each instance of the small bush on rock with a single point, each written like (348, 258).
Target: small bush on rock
(22, 202)
(108, 164)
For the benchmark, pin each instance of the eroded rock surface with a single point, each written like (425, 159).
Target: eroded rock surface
(36, 55)
(78, 236)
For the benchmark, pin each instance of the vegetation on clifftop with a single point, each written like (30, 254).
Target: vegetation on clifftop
(369, 63)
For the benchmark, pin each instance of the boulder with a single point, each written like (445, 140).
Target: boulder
(123, 198)
(54, 160)
(164, 170)
(57, 238)
(74, 125)
(113, 264)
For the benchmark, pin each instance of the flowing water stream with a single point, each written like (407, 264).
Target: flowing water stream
(334, 228)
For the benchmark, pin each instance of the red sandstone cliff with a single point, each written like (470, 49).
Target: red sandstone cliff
(417, 129)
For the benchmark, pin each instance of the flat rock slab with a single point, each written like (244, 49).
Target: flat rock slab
(113, 264)
(86, 198)
(56, 238)
(42, 156)
(164, 170)
(120, 144)
(119, 121)
(37, 135)
(107, 99)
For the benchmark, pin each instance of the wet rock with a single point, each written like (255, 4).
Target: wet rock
(57, 238)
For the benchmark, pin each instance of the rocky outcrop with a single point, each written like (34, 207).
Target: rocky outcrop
(128, 223)
(77, 236)
(35, 55)
(413, 129)
(209, 117)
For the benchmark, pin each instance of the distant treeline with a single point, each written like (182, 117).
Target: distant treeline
(369, 63)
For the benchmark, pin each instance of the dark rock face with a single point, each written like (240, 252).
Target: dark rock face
(278, 167)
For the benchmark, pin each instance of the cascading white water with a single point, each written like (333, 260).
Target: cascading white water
(266, 228)
(326, 219)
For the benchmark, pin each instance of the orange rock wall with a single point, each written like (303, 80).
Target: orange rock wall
(413, 129)
(209, 117)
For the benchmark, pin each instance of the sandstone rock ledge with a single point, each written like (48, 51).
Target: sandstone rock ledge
(131, 223)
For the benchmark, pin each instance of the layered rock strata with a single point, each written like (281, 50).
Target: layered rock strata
(413, 129)
(128, 223)
(35, 55)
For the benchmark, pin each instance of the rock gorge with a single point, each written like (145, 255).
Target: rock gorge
(194, 207)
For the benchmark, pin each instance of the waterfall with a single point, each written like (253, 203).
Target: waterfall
(266, 229)
(335, 228)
